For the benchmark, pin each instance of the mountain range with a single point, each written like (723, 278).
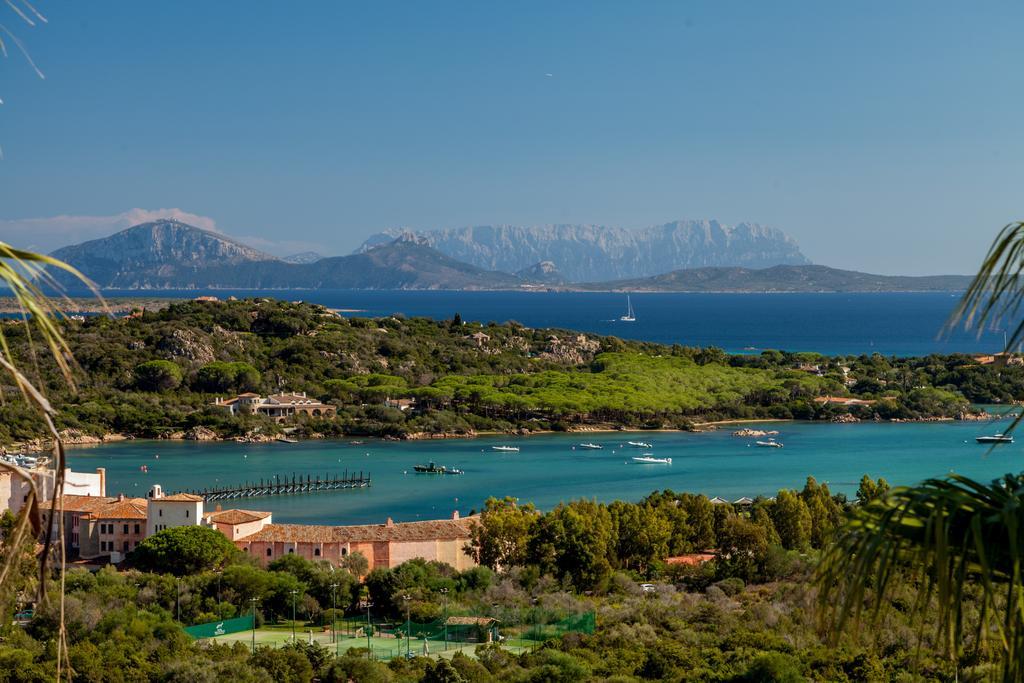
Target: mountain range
(168, 254)
(588, 253)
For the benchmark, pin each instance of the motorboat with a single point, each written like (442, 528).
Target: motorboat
(651, 460)
(639, 444)
(506, 449)
(591, 446)
(995, 438)
(770, 443)
(436, 469)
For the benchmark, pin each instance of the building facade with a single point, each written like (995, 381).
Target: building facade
(166, 511)
(278, 407)
(383, 545)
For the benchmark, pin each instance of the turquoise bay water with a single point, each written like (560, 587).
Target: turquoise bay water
(549, 470)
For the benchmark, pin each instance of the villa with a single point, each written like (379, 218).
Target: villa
(383, 545)
(279, 407)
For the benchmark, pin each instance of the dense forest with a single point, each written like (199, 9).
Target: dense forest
(747, 614)
(155, 374)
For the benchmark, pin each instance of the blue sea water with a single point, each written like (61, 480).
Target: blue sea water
(550, 468)
(904, 324)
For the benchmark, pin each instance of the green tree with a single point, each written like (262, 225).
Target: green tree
(220, 376)
(286, 665)
(499, 539)
(869, 490)
(742, 548)
(157, 375)
(574, 541)
(792, 520)
(183, 550)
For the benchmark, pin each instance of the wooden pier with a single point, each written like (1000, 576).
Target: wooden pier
(283, 486)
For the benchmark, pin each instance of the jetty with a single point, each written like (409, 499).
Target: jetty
(283, 486)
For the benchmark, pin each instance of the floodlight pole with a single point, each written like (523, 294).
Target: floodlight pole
(294, 593)
(334, 617)
(444, 595)
(253, 601)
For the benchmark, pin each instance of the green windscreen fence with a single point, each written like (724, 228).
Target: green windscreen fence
(219, 628)
(473, 629)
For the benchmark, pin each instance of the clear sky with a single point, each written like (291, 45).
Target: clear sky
(883, 136)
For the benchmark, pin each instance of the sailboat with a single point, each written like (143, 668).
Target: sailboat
(629, 317)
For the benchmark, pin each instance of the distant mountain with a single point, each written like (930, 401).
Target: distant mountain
(172, 255)
(587, 253)
(303, 257)
(781, 279)
(544, 272)
(151, 253)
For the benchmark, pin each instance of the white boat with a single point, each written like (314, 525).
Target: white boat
(651, 460)
(639, 444)
(770, 443)
(506, 449)
(629, 317)
(591, 446)
(995, 438)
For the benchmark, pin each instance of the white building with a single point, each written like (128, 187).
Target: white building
(14, 490)
(179, 509)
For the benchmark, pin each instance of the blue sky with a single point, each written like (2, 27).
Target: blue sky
(882, 136)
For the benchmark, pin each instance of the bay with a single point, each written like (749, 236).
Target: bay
(902, 324)
(550, 468)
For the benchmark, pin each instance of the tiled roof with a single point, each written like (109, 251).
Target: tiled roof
(471, 621)
(435, 530)
(104, 507)
(182, 498)
(76, 503)
(236, 516)
(129, 508)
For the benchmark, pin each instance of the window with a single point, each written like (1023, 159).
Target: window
(136, 528)
(269, 552)
(186, 513)
(291, 550)
(245, 549)
(344, 552)
(126, 546)
(160, 512)
(316, 552)
(125, 528)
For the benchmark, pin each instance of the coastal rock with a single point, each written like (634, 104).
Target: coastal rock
(187, 344)
(968, 416)
(201, 433)
(748, 432)
(845, 418)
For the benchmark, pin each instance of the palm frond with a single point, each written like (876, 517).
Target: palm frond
(954, 536)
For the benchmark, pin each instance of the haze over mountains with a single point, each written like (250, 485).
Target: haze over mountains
(168, 254)
(588, 253)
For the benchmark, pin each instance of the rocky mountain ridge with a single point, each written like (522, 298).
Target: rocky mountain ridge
(589, 253)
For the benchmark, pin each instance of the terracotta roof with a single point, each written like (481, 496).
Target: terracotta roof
(438, 530)
(690, 558)
(236, 516)
(129, 508)
(471, 621)
(76, 503)
(182, 498)
(248, 394)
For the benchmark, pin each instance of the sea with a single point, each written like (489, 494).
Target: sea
(552, 468)
(901, 324)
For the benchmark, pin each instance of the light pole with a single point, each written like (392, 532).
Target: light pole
(408, 627)
(444, 596)
(177, 599)
(369, 650)
(294, 593)
(253, 601)
(218, 572)
(334, 617)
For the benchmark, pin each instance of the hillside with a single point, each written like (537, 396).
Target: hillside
(156, 376)
(172, 255)
(146, 255)
(781, 279)
(589, 253)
